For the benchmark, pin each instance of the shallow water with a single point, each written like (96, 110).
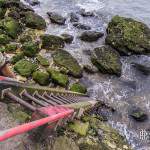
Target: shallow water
(132, 88)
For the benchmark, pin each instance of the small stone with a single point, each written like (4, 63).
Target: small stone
(56, 18)
(91, 36)
(67, 38)
(81, 26)
(76, 87)
(73, 17)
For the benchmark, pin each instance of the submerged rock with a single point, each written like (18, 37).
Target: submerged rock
(34, 21)
(76, 87)
(128, 36)
(81, 26)
(56, 18)
(25, 67)
(67, 38)
(33, 2)
(30, 49)
(41, 77)
(74, 17)
(107, 60)
(91, 36)
(66, 60)
(138, 114)
(52, 42)
(43, 61)
(90, 69)
(58, 77)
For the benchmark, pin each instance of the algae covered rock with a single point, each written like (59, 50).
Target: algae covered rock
(17, 57)
(34, 21)
(107, 60)
(4, 39)
(41, 77)
(66, 60)
(30, 49)
(2, 13)
(52, 42)
(25, 67)
(11, 47)
(76, 87)
(79, 127)
(67, 37)
(58, 77)
(91, 36)
(128, 36)
(43, 61)
(64, 143)
(11, 26)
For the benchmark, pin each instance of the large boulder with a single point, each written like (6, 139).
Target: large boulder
(34, 21)
(76, 87)
(91, 36)
(66, 60)
(106, 60)
(25, 67)
(58, 77)
(128, 36)
(41, 77)
(30, 49)
(56, 18)
(52, 42)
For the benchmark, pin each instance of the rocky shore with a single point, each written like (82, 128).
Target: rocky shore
(24, 42)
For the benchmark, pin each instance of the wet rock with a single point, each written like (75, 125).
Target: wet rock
(107, 60)
(30, 49)
(34, 21)
(128, 36)
(64, 143)
(17, 57)
(144, 67)
(81, 26)
(11, 26)
(74, 17)
(56, 18)
(79, 127)
(77, 87)
(86, 13)
(90, 69)
(138, 114)
(58, 77)
(4, 39)
(91, 36)
(67, 38)
(41, 77)
(25, 67)
(33, 2)
(66, 60)
(52, 42)
(43, 61)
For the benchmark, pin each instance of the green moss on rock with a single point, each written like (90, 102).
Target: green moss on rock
(76, 87)
(58, 77)
(17, 57)
(34, 21)
(43, 61)
(52, 42)
(12, 47)
(128, 36)
(30, 49)
(4, 39)
(41, 77)
(66, 60)
(25, 67)
(2, 13)
(107, 60)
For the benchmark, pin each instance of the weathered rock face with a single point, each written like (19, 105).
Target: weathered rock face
(58, 77)
(25, 67)
(34, 21)
(81, 26)
(128, 36)
(56, 18)
(107, 60)
(76, 87)
(30, 49)
(52, 42)
(65, 59)
(41, 77)
(90, 36)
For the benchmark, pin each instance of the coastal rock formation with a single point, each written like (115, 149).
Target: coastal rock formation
(66, 60)
(128, 36)
(107, 60)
